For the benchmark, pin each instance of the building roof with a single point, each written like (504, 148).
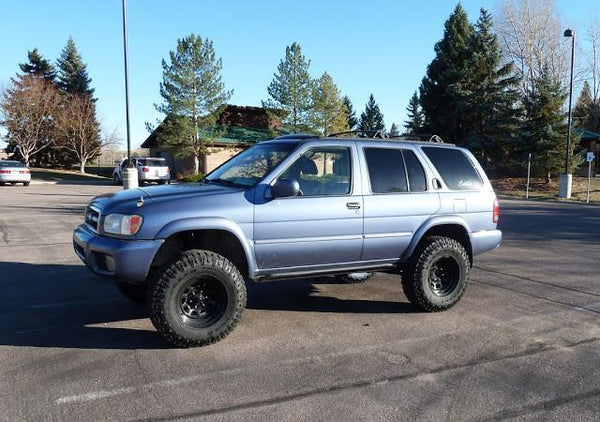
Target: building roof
(242, 125)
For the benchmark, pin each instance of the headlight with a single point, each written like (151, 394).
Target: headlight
(122, 224)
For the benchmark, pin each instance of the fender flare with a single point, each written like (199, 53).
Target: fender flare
(211, 223)
(429, 224)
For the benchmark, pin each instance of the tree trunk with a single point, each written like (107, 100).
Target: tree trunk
(82, 166)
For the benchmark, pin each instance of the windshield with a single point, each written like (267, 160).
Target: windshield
(248, 167)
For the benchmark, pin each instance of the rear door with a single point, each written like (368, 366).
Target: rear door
(398, 198)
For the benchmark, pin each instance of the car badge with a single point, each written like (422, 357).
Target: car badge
(140, 201)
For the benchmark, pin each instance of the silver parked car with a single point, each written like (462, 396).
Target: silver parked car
(14, 172)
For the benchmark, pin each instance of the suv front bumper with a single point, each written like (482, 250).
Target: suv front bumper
(123, 259)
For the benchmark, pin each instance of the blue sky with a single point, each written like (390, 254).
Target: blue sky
(376, 46)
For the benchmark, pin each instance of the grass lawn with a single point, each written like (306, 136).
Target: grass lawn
(538, 189)
(51, 175)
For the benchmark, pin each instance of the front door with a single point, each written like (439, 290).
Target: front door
(323, 224)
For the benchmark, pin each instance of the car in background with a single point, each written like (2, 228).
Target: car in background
(150, 169)
(14, 172)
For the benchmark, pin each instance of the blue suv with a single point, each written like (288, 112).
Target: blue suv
(295, 206)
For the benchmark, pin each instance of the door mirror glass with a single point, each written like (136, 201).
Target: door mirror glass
(284, 188)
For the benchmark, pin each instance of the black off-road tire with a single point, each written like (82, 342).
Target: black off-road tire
(137, 293)
(26, 183)
(354, 278)
(197, 300)
(436, 278)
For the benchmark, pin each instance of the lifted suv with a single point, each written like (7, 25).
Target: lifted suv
(295, 206)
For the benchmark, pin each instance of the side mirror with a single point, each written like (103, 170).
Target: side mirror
(284, 188)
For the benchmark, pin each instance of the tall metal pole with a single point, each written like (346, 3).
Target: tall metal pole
(570, 99)
(126, 79)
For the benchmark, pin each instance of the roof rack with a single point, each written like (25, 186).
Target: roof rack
(297, 136)
(375, 133)
(418, 137)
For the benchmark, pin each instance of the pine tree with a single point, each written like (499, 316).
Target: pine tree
(352, 120)
(491, 102)
(545, 129)
(442, 88)
(38, 66)
(394, 130)
(371, 120)
(72, 72)
(193, 95)
(414, 124)
(329, 113)
(291, 89)
(582, 112)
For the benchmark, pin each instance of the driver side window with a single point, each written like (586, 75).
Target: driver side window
(322, 172)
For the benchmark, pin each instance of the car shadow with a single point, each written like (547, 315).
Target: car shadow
(67, 306)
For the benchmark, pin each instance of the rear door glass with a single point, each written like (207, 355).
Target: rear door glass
(454, 167)
(416, 175)
(386, 170)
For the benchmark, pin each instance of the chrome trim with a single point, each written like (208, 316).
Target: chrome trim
(307, 239)
(383, 235)
(99, 212)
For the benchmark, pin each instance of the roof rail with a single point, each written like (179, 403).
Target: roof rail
(362, 133)
(418, 137)
(297, 136)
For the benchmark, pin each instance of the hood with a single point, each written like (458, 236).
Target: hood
(126, 198)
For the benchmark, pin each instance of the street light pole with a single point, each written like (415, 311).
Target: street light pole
(567, 178)
(129, 174)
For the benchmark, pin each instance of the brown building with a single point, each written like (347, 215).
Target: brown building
(243, 127)
(590, 141)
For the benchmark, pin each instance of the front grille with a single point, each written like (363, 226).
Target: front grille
(92, 217)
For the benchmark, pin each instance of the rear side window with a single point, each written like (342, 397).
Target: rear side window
(416, 175)
(454, 167)
(386, 170)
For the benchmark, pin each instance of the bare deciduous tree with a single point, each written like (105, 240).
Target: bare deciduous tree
(28, 107)
(78, 129)
(531, 32)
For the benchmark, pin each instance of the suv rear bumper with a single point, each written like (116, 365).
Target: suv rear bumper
(485, 240)
(122, 259)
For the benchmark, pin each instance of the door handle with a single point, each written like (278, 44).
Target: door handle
(353, 205)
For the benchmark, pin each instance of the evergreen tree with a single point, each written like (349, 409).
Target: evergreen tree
(38, 66)
(545, 129)
(394, 130)
(583, 112)
(329, 113)
(291, 89)
(442, 89)
(193, 95)
(72, 72)
(414, 124)
(371, 120)
(491, 102)
(352, 120)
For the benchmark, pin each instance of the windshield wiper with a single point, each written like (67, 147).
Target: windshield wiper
(223, 182)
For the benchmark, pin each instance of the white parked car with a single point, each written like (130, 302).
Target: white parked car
(149, 169)
(14, 172)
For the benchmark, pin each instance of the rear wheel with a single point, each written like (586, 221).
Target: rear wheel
(354, 278)
(198, 299)
(437, 276)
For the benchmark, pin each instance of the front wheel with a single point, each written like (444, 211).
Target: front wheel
(437, 276)
(197, 300)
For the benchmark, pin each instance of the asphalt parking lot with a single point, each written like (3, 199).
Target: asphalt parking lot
(523, 344)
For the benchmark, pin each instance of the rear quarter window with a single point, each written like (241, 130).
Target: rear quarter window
(454, 167)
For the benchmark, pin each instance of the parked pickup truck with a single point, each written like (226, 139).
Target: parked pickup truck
(295, 206)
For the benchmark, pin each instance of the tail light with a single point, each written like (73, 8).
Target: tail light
(4, 171)
(145, 169)
(496, 214)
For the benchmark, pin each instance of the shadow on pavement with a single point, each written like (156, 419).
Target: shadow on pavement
(66, 306)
